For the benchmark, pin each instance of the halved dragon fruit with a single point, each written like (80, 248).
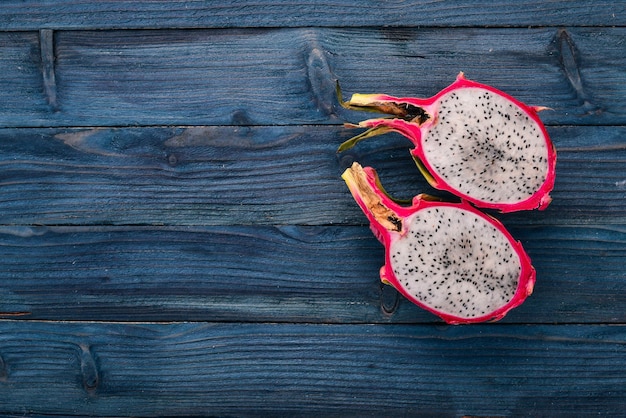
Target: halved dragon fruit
(471, 140)
(448, 258)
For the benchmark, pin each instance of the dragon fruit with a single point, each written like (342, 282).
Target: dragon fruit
(471, 140)
(449, 258)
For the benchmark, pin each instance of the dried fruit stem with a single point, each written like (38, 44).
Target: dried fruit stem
(370, 201)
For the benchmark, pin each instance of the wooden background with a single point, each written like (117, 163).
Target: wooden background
(175, 238)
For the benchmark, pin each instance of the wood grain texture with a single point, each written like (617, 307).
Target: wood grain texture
(305, 370)
(175, 238)
(287, 76)
(282, 274)
(82, 14)
(258, 175)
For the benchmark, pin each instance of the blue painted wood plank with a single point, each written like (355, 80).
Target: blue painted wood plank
(305, 370)
(287, 76)
(29, 15)
(221, 203)
(282, 274)
(21, 79)
(259, 175)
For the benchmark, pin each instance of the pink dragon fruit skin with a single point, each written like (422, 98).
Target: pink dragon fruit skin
(448, 258)
(471, 140)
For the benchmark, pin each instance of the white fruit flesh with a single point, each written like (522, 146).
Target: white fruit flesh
(455, 262)
(485, 146)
